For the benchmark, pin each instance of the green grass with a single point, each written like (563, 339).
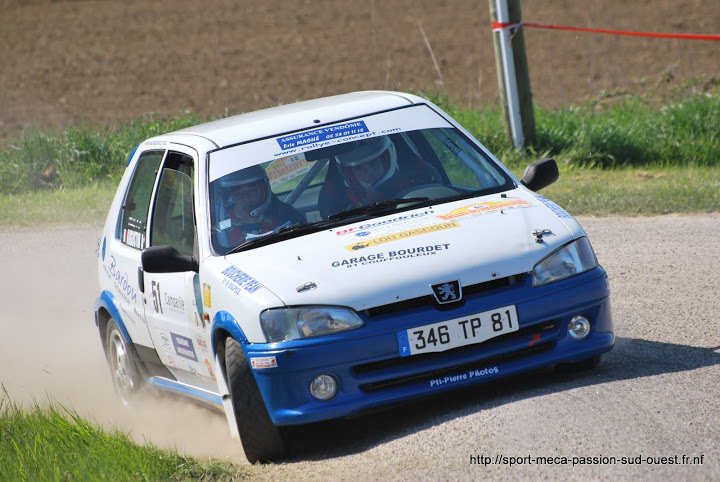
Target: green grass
(49, 442)
(633, 191)
(80, 205)
(622, 191)
(618, 154)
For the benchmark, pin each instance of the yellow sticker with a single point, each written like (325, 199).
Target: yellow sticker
(207, 295)
(401, 235)
(481, 208)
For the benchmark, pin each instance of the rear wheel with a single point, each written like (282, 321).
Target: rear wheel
(125, 375)
(261, 439)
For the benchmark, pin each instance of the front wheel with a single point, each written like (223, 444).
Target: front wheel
(124, 372)
(261, 439)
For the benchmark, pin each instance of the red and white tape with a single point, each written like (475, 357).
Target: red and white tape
(499, 26)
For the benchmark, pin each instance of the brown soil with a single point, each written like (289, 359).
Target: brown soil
(94, 62)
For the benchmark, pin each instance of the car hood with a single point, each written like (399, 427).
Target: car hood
(397, 257)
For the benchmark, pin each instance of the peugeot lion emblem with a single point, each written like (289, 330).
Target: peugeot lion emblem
(447, 292)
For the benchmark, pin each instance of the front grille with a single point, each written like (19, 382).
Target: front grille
(427, 376)
(429, 300)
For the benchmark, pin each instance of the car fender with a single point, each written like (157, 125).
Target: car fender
(106, 301)
(225, 321)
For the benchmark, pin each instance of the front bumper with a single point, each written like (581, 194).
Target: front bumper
(371, 373)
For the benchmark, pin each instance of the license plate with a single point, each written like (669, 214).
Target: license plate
(458, 332)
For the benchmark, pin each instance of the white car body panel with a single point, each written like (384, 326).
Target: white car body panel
(472, 248)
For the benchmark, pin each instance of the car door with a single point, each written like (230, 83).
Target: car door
(121, 255)
(179, 333)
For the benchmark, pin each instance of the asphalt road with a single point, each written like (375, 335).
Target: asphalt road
(650, 410)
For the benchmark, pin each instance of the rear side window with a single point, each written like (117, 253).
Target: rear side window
(134, 213)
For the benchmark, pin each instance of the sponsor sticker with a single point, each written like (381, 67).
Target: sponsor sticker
(207, 295)
(236, 280)
(322, 134)
(183, 346)
(437, 382)
(263, 362)
(134, 239)
(385, 256)
(287, 168)
(482, 208)
(389, 225)
(367, 243)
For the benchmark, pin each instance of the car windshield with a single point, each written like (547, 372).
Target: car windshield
(339, 173)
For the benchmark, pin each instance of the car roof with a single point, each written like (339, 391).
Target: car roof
(291, 117)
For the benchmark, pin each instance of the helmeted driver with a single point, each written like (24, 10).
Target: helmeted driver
(369, 172)
(252, 207)
(370, 165)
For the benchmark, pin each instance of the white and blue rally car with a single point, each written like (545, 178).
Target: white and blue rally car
(316, 260)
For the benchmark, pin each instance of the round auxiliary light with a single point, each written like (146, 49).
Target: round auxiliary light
(323, 387)
(579, 327)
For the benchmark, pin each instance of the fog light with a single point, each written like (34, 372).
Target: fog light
(579, 327)
(324, 387)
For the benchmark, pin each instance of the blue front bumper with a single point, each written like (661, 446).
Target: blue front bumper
(371, 373)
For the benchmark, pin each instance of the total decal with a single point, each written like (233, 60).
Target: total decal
(436, 382)
(382, 257)
(484, 207)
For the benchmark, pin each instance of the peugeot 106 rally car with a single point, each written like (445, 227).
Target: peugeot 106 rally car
(320, 259)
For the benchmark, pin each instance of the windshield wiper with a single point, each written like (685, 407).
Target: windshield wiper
(377, 207)
(283, 232)
(290, 231)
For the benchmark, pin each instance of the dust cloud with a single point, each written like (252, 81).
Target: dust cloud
(50, 349)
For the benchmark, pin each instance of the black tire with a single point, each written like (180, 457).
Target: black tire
(126, 378)
(261, 439)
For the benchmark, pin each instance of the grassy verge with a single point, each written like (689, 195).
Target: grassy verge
(636, 191)
(626, 192)
(80, 205)
(618, 154)
(52, 443)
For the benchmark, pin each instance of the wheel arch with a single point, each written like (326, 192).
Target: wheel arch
(105, 309)
(225, 326)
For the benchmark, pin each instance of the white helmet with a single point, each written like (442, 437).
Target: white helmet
(254, 174)
(363, 153)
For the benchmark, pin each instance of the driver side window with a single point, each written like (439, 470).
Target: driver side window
(173, 220)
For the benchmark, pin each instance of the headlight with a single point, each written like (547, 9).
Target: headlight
(285, 324)
(574, 258)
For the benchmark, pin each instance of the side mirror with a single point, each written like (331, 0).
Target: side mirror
(166, 259)
(540, 174)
